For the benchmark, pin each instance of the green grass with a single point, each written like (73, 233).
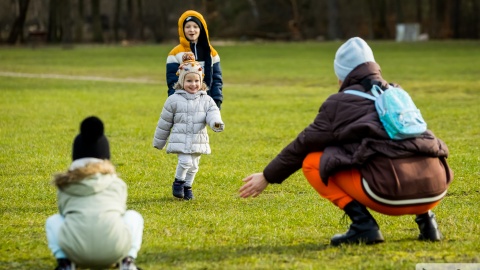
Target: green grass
(272, 91)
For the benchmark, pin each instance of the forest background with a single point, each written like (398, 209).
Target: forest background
(151, 21)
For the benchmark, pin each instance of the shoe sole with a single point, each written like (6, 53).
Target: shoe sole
(430, 238)
(367, 238)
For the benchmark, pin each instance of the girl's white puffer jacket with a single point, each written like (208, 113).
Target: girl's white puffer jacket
(183, 122)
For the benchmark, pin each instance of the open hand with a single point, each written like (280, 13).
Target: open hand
(254, 185)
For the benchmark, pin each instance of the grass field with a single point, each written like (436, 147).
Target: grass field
(272, 91)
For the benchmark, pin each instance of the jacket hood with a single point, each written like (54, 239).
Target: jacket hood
(181, 34)
(86, 176)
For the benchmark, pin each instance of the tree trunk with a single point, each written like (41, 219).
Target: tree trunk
(254, 8)
(134, 22)
(398, 8)
(419, 12)
(116, 20)
(67, 22)
(79, 21)
(333, 29)
(382, 26)
(444, 18)
(54, 31)
(17, 29)
(456, 19)
(96, 22)
(475, 20)
(130, 20)
(138, 21)
(294, 25)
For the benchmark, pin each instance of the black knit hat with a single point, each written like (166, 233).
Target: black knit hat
(91, 142)
(193, 19)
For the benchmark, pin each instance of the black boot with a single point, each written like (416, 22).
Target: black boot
(188, 193)
(64, 264)
(364, 228)
(428, 227)
(177, 188)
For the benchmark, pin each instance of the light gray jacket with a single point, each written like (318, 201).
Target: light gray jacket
(183, 122)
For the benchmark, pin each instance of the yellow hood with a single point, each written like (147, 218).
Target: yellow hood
(181, 34)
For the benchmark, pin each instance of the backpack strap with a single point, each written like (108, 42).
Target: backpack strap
(360, 94)
(376, 90)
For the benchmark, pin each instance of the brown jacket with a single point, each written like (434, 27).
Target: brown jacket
(347, 129)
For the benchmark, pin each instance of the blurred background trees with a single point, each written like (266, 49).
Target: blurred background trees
(114, 21)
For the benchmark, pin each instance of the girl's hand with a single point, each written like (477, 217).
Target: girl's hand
(254, 185)
(218, 127)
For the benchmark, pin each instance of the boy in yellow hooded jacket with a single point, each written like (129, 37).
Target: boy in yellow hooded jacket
(193, 35)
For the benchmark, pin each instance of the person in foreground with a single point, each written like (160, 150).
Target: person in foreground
(193, 35)
(93, 227)
(349, 159)
(183, 121)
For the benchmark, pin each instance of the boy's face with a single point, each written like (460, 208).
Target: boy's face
(192, 83)
(192, 31)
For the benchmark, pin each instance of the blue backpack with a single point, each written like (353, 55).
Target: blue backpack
(397, 112)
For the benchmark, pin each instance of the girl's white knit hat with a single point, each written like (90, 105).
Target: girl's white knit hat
(189, 65)
(351, 54)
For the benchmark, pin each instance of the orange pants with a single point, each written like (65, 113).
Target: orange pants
(345, 186)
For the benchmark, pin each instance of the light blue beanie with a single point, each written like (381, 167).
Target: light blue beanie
(351, 54)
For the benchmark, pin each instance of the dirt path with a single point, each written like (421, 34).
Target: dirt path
(78, 78)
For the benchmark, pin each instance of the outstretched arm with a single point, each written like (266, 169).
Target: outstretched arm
(254, 185)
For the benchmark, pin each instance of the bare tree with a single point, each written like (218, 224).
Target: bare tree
(96, 22)
(153, 20)
(17, 29)
(79, 21)
(378, 11)
(66, 23)
(399, 9)
(333, 27)
(294, 25)
(116, 20)
(474, 23)
(254, 8)
(54, 29)
(134, 22)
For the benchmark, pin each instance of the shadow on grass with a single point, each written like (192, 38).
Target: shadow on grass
(223, 253)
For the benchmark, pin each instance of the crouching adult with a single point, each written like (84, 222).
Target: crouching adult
(349, 159)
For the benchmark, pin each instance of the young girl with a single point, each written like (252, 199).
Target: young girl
(183, 122)
(193, 35)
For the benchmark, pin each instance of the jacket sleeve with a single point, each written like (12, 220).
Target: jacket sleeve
(214, 118)
(60, 202)
(164, 125)
(217, 84)
(171, 76)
